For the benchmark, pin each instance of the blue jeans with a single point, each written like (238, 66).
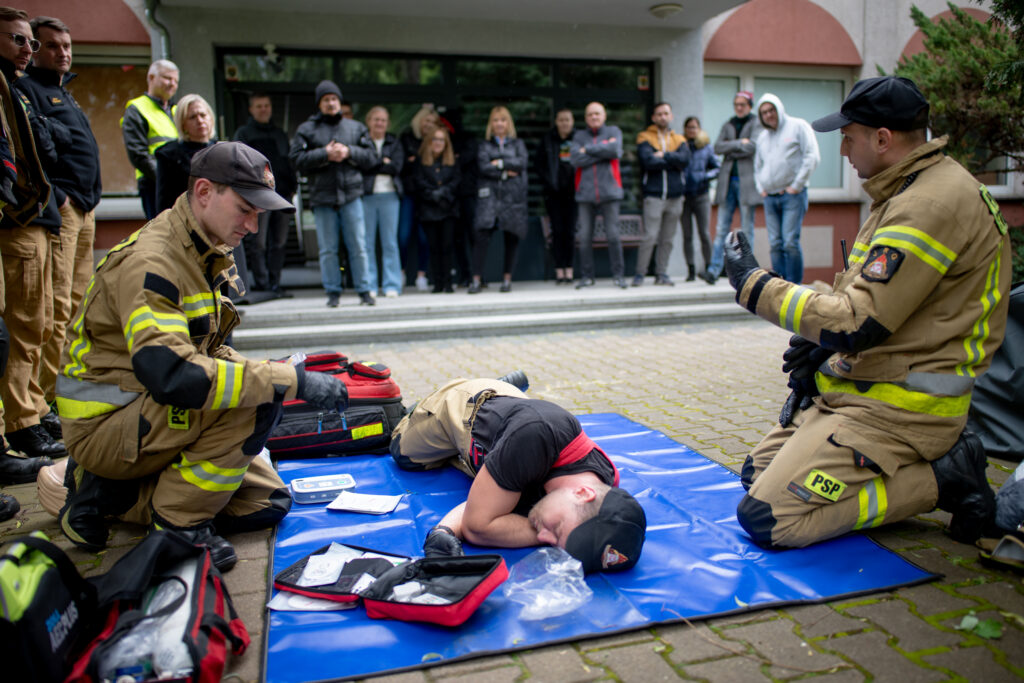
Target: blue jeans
(409, 228)
(381, 217)
(725, 214)
(783, 216)
(349, 218)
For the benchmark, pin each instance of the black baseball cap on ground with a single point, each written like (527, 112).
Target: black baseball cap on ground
(889, 102)
(242, 168)
(612, 540)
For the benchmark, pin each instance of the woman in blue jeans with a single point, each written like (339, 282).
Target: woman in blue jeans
(382, 187)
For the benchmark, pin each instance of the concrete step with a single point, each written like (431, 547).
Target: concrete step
(532, 307)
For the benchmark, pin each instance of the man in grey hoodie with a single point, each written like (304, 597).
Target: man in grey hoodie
(786, 155)
(596, 151)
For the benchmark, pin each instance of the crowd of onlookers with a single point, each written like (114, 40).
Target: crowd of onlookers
(371, 190)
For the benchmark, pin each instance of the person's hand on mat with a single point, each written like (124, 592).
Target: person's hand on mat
(739, 259)
(322, 390)
(442, 542)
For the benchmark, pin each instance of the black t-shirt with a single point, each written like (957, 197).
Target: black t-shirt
(519, 440)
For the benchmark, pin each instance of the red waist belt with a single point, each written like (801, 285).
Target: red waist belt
(578, 448)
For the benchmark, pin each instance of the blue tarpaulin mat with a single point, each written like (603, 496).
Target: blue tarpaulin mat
(697, 562)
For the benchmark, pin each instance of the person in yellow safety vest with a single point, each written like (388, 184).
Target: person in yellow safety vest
(148, 123)
(883, 366)
(163, 422)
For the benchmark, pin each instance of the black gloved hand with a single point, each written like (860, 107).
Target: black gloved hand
(801, 360)
(794, 402)
(739, 259)
(322, 390)
(442, 542)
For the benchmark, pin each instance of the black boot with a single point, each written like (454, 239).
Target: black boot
(516, 378)
(964, 489)
(9, 507)
(691, 272)
(222, 553)
(35, 442)
(17, 470)
(90, 502)
(51, 423)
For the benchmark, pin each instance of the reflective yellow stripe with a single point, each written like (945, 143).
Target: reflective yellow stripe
(143, 317)
(974, 345)
(81, 345)
(859, 251)
(229, 385)
(791, 311)
(197, 305)
(914, 401)
(873, 504)
(207, 476)
(72, 409)
(921, 244)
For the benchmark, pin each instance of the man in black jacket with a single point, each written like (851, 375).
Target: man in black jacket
(326, 149)
(265, 249)
(29, 232)
(75, 176)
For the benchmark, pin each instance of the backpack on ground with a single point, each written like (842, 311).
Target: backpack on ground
(374, 410)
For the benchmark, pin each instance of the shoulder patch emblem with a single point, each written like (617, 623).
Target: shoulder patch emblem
(881, 263)
(611, 557)
(55, 100)
(268, 177)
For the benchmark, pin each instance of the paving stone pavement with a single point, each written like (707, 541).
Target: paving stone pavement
(716, 388)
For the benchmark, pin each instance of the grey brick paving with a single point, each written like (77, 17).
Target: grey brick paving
(716, 388)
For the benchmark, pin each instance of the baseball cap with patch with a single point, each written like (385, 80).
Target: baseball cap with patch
(611, 540)
(889, 102)
(243, 169)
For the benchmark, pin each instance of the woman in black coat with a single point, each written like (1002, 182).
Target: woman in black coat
(435, 182)
(501, 195)
(557, 177)
(194, 119)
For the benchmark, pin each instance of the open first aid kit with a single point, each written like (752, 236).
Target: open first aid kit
(374, 410)
(438, 590)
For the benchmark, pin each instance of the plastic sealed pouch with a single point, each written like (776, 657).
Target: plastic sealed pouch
(547, 583)
(453, 588)
(342, 589)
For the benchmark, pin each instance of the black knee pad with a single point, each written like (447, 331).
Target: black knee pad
(757, 519)
(268, 415)
(280, 503)
(401, 460)
(747, 473)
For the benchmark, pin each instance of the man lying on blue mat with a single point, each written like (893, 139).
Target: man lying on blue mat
(883, 366)
(537, 477)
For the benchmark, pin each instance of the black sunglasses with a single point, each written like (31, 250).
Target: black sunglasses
(21, 40)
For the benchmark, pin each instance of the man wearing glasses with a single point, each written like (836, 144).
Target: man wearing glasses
(26, 238)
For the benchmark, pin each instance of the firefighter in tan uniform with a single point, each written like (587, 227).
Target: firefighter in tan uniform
(162, 420)
(537, 477)
(883, 366)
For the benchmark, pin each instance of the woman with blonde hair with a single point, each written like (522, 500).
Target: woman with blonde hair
(423, 124)
(382, 189)
(435, 181)
(501, 195)
(194, 119)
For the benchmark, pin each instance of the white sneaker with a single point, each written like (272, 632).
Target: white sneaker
(421, 283)
(391, 294)
(373, 293)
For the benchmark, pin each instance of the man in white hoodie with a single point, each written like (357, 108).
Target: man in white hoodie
(787, 154)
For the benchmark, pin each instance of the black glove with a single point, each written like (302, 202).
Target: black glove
(5, 345)
(322, 390)
(7, 191)
(794, 402)
(801, 360)
(442, 542)
(739, 259)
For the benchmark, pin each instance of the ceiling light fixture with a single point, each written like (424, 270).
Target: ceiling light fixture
(664, 9)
